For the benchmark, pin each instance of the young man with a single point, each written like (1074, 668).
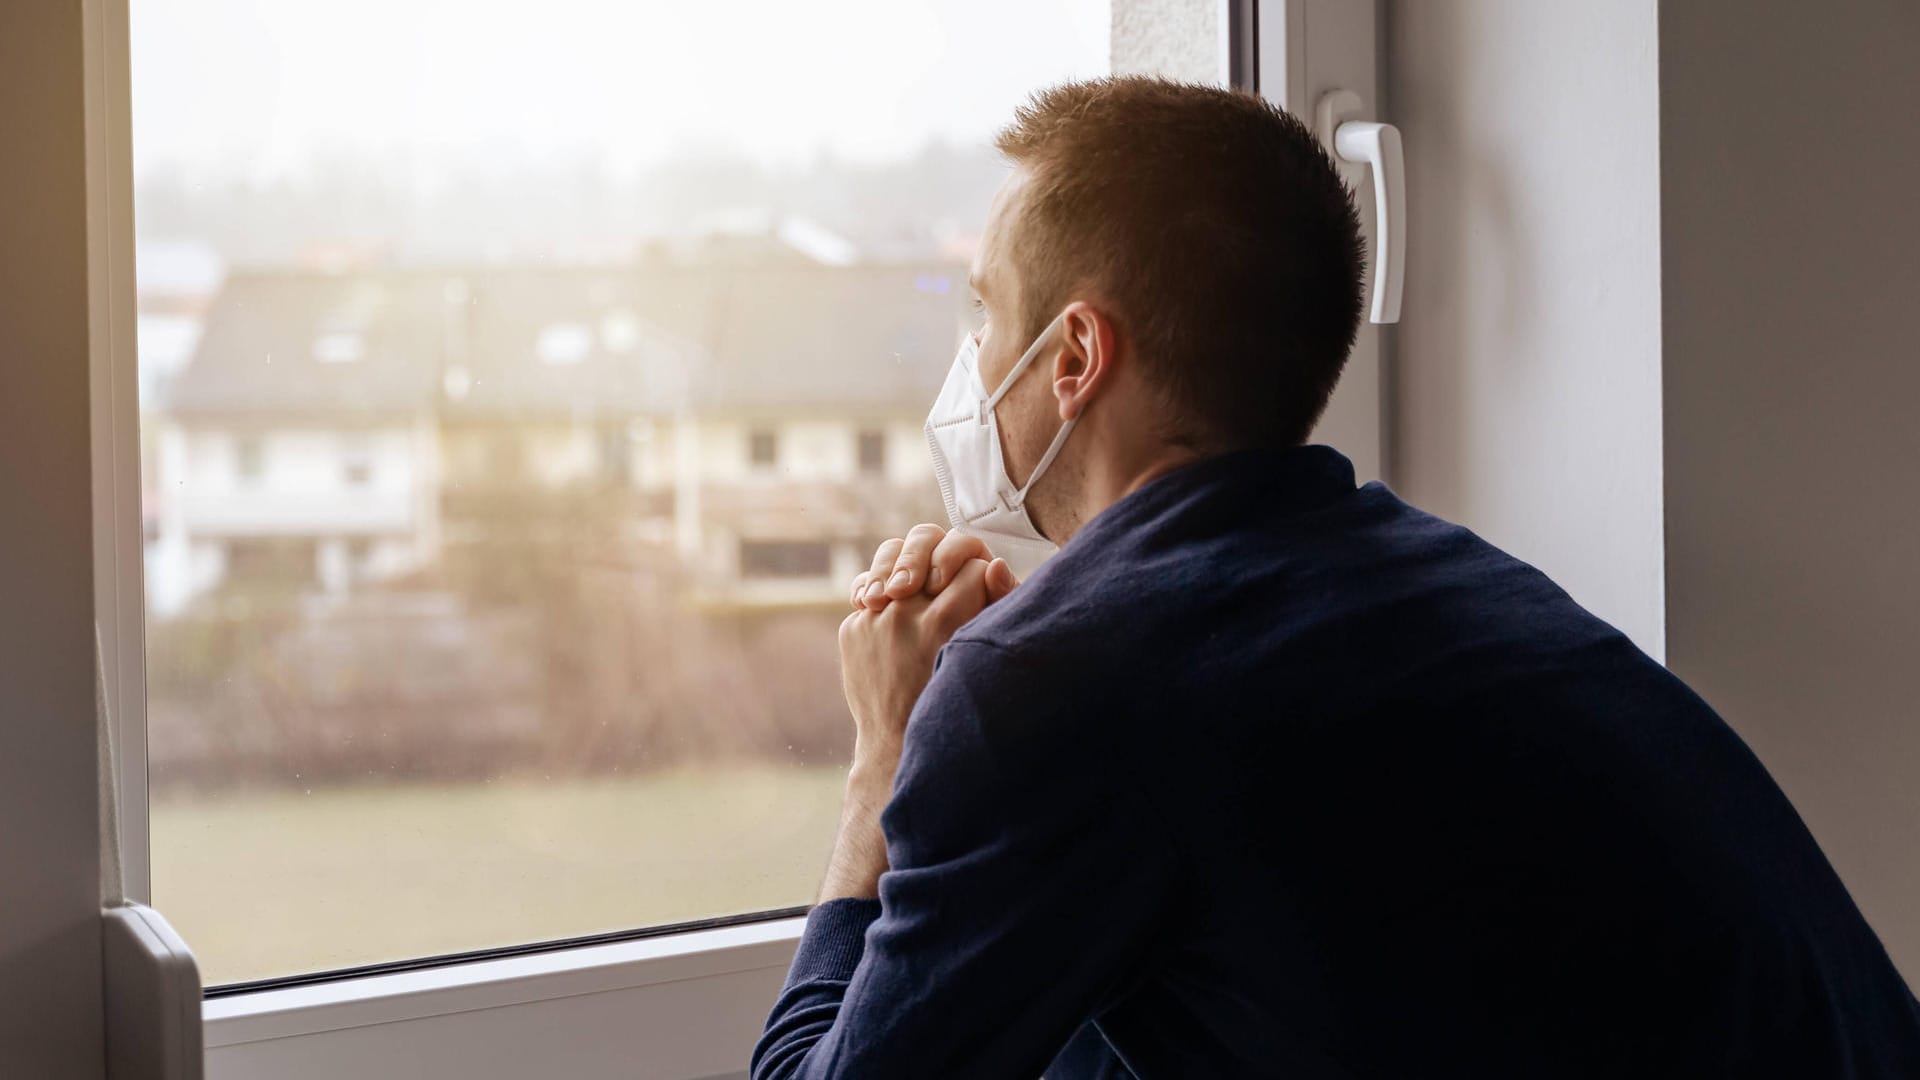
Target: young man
(1266, 774)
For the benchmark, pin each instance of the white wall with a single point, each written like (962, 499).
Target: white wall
(1657, 341)
(1180, 39)
(1525, 374)
(302, 488)
(50, 1005)
(824, 450)
(1790, 164)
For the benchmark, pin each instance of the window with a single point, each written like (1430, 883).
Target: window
(507, 732)
(618, 443)
(872, 451)
(785, 558)
(249, 459)
(338, 346)
(442, 678)
(763, 448)
(356, 462)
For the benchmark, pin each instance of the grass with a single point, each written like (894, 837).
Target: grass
(267, 883)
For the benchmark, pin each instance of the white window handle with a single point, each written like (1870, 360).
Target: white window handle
(1377, 146)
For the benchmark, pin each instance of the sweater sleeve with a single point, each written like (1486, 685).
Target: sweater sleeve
(1027, 875)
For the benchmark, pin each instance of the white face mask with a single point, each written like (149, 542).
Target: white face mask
(964, 438)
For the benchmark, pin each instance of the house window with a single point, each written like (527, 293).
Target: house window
(339, 346)
(264, 565)
(763, 448)
(546, 714)
(785, 558)
(356, 463)
(249, 459)
(617, 447)
(873, 451)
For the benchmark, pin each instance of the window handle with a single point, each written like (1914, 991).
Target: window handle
(1377, 146)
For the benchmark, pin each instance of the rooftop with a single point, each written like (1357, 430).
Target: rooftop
(649, 339)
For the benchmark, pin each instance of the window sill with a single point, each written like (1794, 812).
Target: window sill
(678, 1006)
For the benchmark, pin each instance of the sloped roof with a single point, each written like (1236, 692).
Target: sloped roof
(258, 350)
(578, 340)
(815, 337)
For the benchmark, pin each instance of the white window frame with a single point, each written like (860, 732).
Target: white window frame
(674, 1005)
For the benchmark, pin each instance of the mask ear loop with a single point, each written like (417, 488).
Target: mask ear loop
(1046, 459)
(1019, 498)
(1026, 361)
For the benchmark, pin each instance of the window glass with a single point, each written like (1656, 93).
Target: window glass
(763, 447)
(872, 451)
(785, 558)
(249, 459)
(521, 386)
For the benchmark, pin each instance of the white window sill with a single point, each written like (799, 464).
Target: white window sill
(677, 1006)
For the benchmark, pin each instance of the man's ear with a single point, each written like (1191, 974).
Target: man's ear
(1084, 365)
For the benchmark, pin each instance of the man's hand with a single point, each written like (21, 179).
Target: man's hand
(925, 560)
(919, 590)
(887, 648)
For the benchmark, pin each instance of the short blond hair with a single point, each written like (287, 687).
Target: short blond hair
(1217, 228)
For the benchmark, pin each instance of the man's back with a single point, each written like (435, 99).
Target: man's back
(1264, 774)
(1435, 817)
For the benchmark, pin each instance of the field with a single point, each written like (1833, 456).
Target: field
(265, 883)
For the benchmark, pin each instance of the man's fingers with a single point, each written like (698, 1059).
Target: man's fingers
(884, 557)
(909, 574)
(962, 599)
(954, 550)
(874, 595)
(1000, 580)
(928, 558)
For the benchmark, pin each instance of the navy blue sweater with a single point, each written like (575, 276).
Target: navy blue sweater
(1268, 775)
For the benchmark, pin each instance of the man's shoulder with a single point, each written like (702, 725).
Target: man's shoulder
(1074, 597)
(1028, 703)
(1365, 569)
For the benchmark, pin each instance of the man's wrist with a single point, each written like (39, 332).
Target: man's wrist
(859, 858)
(860, 849)
(872, 771)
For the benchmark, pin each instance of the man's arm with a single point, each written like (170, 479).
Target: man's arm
(887, 655)
(886, 659)
(1027, 872)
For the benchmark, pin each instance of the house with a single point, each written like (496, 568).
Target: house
(755, 422)
(299, 443)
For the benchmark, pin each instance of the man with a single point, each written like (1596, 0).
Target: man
(1266, 774)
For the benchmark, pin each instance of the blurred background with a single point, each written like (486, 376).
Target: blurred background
(519, 391)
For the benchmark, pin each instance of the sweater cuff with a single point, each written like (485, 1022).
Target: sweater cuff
(834, 938)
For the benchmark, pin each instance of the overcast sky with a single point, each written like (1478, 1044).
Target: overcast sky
(254, 88)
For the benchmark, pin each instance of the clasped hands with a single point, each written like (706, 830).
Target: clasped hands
(920, 589)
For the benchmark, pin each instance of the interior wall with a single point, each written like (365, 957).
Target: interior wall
(50, 1012)
(1179, 39)
(1524, 377)
(1791, 250)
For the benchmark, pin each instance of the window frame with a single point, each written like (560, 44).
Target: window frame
(689, 1001)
